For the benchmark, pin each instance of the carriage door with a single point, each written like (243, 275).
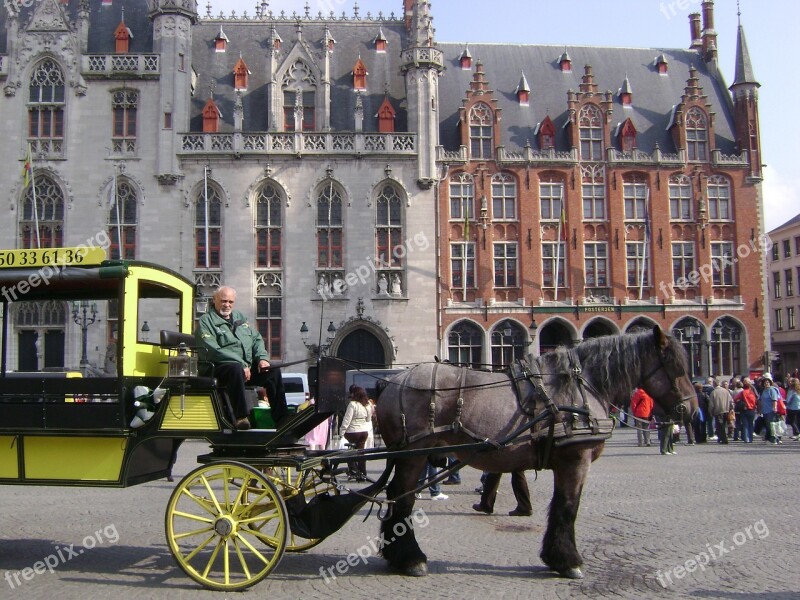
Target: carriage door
(362, 350)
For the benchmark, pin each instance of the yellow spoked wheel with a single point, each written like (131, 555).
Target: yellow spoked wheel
(291, 482)
(226, 526)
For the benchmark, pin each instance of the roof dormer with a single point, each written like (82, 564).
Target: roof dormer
(466, 59)
(626, 92)
(565, 62)
(523, 91)
(386, 115)
(241, 74)
(662, 65)
(122, 37)
(627, 136)
(275, 39)
(211, 116)
(328, 41)
(546, 134)
(380, 41)
(360, 75)
(221, 41)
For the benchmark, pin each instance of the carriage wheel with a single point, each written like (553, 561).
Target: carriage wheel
(291, 482)
(216, 518)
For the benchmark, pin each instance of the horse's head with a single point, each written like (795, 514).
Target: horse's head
(665, 375)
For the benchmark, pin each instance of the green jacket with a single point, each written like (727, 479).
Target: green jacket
(220, 342)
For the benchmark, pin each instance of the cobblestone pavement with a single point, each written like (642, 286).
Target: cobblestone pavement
(646, 523)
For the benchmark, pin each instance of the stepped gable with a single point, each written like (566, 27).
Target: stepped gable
(651, 110)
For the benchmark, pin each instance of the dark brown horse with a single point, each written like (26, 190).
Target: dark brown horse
(435, 405)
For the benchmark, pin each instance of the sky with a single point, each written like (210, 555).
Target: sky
(770, 28)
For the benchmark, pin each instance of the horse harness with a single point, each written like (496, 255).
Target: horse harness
(578, 425)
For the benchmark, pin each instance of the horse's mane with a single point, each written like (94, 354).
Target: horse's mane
(611, 363)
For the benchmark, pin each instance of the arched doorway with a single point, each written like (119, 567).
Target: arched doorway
(598, 328)
(552, 335)
(363, 350)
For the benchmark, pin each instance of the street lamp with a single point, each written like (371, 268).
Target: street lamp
(84, 315)
(320, 348)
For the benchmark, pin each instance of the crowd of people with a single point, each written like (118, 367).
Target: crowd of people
(738, 410)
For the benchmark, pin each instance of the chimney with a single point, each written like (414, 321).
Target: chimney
(709, 36)
(694, 27)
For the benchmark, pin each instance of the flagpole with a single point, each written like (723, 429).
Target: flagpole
(120, 244)
(558, 244)
(646, 241)
(205, 209)
(465, 258)
(33, 193)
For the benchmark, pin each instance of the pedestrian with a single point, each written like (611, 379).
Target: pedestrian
(429, 472)
(665, 436)
(747, 401)
(455, 476)
(356, 423)
(767, 405)
(519, 485)
(793, 407)
(720, 404)
(642, 410)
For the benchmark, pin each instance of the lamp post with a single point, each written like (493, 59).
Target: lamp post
(320, 348)
(84, 315)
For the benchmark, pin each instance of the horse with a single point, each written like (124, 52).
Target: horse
(435, 405)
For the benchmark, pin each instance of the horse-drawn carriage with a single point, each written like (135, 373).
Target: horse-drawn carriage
(259, 493)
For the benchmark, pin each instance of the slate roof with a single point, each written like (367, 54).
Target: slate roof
(654, 95)
(354, 38)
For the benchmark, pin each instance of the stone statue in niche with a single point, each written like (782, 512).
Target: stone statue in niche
(323, 286)
(338, 285)
(383, 285)
(396, 288)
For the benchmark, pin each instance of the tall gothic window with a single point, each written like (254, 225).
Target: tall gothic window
(726, 347)
(719, 198)
(505, 264)
(682, 263)
(268, 321)
(462, 265)
(462, 198)
(465, 345)
(689, 332)
(722, 261)
(680, 198)
(122, 218)
(553, 253)
(595, 264)
(590, 131)
(208, 227)
(508, 344)
(504, 197)
(124, 104)
(329, 227)
(634, 195)
(389, 228)
(46, 103)
(299, 91)
(696, 134)
(481, 131)
(268, 226)
(593, 191)
(47, 212)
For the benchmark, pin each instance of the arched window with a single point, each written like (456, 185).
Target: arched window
(329, 227)
(299, 95)
(719, 198)
(504, 197)
(208, 227)
(122, 219)
(680, 198)
(389, 228)
(726, 347)
(123, 105)
(268, 227)
(508, 344)
(481, 131)
(46, 103)
(696, 134)
(590, 129)
(269, 312)
(462, 198)
(465, 345)
(689, 332)
(593, 192)
(47, 212)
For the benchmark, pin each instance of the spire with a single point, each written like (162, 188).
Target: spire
(744, 68)
(422, 25)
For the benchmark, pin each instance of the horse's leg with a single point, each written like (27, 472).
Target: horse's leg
(559, 551)
(399, 545)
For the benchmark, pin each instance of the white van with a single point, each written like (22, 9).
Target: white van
(296, 386)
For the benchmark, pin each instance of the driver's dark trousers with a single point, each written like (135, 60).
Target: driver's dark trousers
(231, 377)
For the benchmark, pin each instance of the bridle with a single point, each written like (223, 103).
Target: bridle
(661, 366)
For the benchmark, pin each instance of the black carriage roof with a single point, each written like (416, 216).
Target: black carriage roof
(74, 282)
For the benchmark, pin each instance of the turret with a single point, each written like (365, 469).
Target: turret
(745, 106)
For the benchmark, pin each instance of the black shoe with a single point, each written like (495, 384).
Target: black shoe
(481, 508)
(242, 424)
(520, 513)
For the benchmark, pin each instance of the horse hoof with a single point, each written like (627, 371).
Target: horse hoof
(417, 570)
(573, 573)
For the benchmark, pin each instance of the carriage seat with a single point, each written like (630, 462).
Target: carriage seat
(173, 339)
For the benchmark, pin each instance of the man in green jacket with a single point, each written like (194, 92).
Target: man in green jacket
(239, 357)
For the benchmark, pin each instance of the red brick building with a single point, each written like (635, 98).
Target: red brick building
(656, 162)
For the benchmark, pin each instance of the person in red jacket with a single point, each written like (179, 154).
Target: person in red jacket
(642, 409)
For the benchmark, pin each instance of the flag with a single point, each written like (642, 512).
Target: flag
(466, 223)
(562, 236)
(112, 195)
(27, 169)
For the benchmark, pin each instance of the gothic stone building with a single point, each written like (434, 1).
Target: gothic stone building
(352, 173)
